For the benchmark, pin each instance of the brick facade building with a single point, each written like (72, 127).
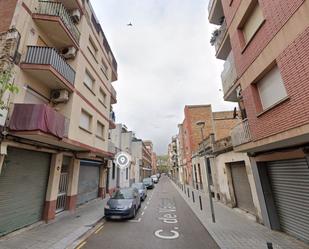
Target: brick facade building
(265, 45)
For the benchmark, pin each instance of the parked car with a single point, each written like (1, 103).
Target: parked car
(124, 203)
(158, 175)
(155, 178)
(142, 189)
(148, 183)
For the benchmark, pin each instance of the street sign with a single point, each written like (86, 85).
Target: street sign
(123, 160)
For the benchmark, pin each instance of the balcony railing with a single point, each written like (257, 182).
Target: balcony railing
(50, 56)
(219, 39)
(229, 74)
(241, 133)
(38, 117)
(57, 9)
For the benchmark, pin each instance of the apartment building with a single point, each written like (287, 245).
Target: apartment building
(149, 146)
(54, 140)
(265, 48)
(229, 172)
(142, 158)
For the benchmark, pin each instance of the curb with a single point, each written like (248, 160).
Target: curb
(77, 243)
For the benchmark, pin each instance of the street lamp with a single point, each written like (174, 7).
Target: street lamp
(201, 124)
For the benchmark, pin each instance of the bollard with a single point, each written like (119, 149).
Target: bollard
(188, 192)
(270, 245)
(193, 196)
(201, 206)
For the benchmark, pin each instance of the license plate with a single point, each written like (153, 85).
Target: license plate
(116, 217)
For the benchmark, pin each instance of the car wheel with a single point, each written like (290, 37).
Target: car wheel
(134, 212)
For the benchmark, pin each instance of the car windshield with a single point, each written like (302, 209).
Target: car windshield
(147, 180)
(123, 194)
(138, 185)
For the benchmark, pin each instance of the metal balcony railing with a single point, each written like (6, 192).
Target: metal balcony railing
(57, 9)
(50, 56)
(219, 39)
(241, 133)
(229, 74)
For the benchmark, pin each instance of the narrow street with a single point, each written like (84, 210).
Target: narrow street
(164, 221)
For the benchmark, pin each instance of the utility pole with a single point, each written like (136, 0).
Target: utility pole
(201, 124)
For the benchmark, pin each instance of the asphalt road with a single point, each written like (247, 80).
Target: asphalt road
(164, 221)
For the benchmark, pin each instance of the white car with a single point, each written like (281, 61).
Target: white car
(155, 178)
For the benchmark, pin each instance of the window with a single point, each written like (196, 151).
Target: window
(89, 81)
(100, 130)
(271, 88)
(85, 120)
(92, 48)
(252, 23)
(102, 97)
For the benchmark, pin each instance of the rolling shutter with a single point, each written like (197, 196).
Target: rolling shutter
(23, 183)
(290, 185)
(88, 184)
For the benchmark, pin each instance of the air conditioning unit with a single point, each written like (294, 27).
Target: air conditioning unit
(69, 52)
(76, 15)
(59, 96)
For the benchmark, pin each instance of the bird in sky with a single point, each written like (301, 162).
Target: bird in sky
(130, 24)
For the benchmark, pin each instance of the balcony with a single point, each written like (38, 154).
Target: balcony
(54, 19)
(46, 65)
(111, 147)
(229, 76)
(113, 96)
(241, 133)
(112, 120)
(221, 41)
(72, 4)
(38, 122)
(215, 11)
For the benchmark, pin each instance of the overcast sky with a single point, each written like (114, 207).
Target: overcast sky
(165, 61)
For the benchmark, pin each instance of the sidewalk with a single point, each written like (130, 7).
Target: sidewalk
(234, 230)
(61, 232)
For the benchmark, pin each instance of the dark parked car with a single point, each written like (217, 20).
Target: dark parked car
(124, 203)
(148, 183)
(141, 189)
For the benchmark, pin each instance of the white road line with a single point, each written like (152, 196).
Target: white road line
(148, 202)
(143, 213)
(136, 221)
(145, 207)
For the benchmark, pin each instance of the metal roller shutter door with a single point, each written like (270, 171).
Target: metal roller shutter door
(88, 184)
(23, 183)
(290, 185)
(242, 187)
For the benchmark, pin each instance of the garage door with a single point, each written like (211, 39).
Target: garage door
(242, 187)
(23, 183)
(88, 184)
(290, 185)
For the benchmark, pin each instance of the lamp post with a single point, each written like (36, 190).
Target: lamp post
(201, 124)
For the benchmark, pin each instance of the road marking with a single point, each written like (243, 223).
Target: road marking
(145, 207)
(148, 202)
(98, 230)
(160, 236)
(136, 221)
(81, 245)
(143, 213)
